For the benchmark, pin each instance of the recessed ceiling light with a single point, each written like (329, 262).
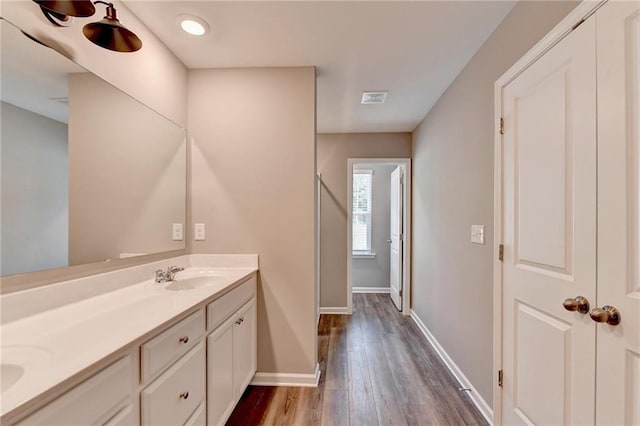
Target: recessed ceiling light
(374, 97)
(193, 25)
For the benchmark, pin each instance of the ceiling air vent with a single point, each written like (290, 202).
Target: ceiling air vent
(374, 97)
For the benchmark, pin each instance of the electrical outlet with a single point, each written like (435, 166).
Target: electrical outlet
(177, 234)
(477, 234)
(199, 232)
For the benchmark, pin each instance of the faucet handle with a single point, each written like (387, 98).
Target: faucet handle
(160, 276)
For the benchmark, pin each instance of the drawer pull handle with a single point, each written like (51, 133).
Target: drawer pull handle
(184, 339)
(238, 322)
(184, 395)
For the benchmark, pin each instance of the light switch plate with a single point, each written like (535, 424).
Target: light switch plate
(477, 234)
(198, 231)
(176, 233)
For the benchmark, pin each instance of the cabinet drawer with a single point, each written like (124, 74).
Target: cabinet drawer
(159, 352)
(93, 402)
(219, 310)
(174, 396)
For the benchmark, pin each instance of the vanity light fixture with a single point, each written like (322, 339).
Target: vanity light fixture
(61, 8)
(110, 33)
(193, 25)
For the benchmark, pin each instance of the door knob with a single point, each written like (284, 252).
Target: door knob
(578, 303)
(607, 314)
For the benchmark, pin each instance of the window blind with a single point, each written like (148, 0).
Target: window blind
(361, 209)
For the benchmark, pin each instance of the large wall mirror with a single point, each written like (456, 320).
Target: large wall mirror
(88, 174)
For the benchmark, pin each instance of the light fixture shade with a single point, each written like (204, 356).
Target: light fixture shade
(78, 8)
(111, 34)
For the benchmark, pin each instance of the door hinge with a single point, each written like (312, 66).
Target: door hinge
(501, 252)
(500, 378)
(401, 292)
(501, 125)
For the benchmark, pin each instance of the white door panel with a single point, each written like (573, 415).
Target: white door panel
(396, 235)
(618, 353)
(549, 233)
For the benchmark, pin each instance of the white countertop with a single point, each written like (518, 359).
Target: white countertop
(58, 344)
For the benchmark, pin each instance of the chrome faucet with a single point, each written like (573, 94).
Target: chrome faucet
(172, 271)
(168, 275)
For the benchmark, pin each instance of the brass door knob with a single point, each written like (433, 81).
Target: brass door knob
(607, 314)
(578, 303)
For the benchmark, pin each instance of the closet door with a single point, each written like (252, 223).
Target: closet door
(618, 352)
(549, 234)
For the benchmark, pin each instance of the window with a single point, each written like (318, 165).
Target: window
(361, 208)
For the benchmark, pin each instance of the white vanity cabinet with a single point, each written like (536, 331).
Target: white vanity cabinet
(231, 351)
(104, 399)
(191, 371)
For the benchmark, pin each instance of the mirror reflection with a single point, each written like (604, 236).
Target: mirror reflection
(88, 173)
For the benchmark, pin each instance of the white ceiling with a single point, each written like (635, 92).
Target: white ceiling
(412, 49)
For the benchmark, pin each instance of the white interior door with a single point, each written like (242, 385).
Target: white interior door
(618, 353)
(396, 237)
(549, 235)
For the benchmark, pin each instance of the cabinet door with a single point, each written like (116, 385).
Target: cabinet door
(618, 352)
(244, 348)
(220, 395)
(549, 231)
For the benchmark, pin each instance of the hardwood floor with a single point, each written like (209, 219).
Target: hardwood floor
(377, 369)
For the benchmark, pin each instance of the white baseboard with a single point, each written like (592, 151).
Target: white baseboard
(485, 409)
(287, 379)
(336, 311)
(371, 290)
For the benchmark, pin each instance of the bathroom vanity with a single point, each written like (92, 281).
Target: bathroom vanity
(124, 350)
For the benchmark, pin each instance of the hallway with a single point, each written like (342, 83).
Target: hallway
(376, 369)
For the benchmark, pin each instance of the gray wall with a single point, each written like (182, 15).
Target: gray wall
(253, 186)
(35, 202)
(127, 183)
(453, 189)
(374, 272)
(334, 149)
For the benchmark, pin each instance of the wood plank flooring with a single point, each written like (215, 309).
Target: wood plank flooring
(377, 369)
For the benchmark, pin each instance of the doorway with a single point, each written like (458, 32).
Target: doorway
(378, 229)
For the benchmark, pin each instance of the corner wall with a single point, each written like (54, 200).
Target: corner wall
(149, 154)
(252, 176)
(334, 149)
(453, 189)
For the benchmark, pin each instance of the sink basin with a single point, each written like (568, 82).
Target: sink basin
(17, 360)
(194, 282)
(10, 374)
